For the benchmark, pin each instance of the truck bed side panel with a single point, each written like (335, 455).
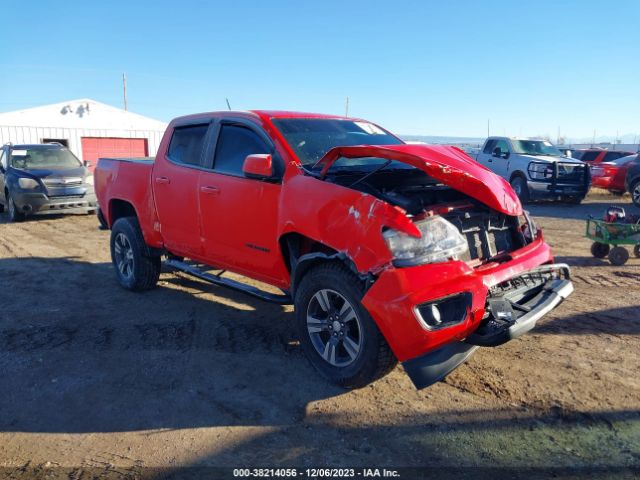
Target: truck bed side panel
(128, 180)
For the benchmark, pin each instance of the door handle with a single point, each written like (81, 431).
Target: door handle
(163, 180)
(210, 190)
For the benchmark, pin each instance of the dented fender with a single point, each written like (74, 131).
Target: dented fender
(348, 221)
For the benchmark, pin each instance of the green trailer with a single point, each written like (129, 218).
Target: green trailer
(605, 235)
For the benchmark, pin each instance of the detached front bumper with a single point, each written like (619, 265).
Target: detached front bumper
(505, 320)
(526, 288)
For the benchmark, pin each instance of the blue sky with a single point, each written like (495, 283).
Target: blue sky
(422, 67)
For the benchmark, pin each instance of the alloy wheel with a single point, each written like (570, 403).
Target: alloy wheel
(123, 253)
(635, 195)
(334, 328)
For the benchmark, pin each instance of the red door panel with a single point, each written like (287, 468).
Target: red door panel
(96, 147)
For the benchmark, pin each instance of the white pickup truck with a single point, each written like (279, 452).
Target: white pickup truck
(536, 169)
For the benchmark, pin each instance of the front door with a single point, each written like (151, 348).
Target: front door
(175, 185)
(240, 215)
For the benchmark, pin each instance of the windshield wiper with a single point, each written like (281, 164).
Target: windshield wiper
(375, 170)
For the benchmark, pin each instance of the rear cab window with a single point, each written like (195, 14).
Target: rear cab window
(187, 143)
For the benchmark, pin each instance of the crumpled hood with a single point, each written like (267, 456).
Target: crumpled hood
(449, 165)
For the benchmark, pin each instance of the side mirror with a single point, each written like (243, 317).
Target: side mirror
(258, 166)
(497, 152)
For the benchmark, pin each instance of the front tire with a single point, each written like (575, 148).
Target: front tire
(519, 185)
(15, 215)
(336, 332)
(135, 269)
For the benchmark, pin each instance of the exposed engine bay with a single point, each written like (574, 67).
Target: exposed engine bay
(490, 235)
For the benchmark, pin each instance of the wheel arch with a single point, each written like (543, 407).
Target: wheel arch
(119, 208)
(518, 173)
(301, 253)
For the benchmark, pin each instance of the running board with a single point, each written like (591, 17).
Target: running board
(229, 283)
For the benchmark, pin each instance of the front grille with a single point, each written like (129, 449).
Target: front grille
(63, 182)
(571, 173)
(489, 234)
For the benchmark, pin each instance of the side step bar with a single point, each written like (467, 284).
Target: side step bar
(284, 299)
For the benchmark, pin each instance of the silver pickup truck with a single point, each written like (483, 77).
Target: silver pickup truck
(536, 169)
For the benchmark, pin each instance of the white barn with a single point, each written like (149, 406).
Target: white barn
(89, 128)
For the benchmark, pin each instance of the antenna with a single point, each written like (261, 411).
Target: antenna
(346, 107)
(228, 104)
(124, 89)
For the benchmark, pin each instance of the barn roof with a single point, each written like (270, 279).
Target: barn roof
(81, 113)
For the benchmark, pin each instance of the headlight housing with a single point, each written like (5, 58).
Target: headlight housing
(440, 241)
(540, 171)
(28, 183)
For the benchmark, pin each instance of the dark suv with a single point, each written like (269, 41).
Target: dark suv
(44, 178)
(632, 182)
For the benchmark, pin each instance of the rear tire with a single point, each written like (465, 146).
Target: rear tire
(636, 251)
(600, 250)
(14, 214)
(519, 185)
(574, 200)
(635, 193)
(618, 256)
(135, 268)
(336, 332)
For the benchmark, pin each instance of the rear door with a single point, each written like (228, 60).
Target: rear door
(239, 215)
(175, 184)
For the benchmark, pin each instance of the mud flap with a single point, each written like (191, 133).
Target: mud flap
(434, 366)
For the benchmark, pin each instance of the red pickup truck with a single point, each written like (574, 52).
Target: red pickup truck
(388, 251)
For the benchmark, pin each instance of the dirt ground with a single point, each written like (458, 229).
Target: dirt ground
(98, 379)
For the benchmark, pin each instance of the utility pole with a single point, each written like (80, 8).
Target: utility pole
(124, 89)
(228, 104)
(558, 138)
(346, 107)
(594, 138)
(488, 129)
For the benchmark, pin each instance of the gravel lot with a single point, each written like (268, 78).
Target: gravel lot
(98, 379)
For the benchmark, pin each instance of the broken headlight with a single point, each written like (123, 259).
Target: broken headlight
(440, 241)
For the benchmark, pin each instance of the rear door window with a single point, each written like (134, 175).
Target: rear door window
(235, 143)
(187, 143)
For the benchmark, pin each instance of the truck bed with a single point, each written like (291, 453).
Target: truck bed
(126, 180)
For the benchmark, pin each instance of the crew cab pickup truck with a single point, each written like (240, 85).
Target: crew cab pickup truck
(388, 251)
(536, 169)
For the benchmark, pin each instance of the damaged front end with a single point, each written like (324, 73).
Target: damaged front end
(472, 270)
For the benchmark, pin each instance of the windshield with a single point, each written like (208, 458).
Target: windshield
(43, 157)
(312, 138)
(535, 147)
